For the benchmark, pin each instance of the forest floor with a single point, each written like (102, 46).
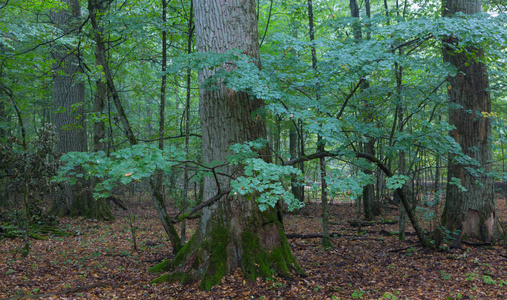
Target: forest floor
(99, 262)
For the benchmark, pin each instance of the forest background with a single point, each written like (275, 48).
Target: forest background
(100, 98)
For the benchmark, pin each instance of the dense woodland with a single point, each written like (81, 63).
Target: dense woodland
(253, 149)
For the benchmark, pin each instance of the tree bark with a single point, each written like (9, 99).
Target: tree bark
(186, 178)
(233, 232)
(68, 92)
(158, 177)
(296, 189)
(102, 208)
(470, 213)
(68, 105)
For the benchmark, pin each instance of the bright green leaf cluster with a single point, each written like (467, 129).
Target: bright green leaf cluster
(123, 166)
(262, 180)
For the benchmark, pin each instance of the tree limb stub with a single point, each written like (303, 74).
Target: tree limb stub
(204, 204)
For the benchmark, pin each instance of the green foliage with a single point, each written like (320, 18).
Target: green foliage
(350, 185)
(488, 280)
(123, 166)
(448, 236)
(389, 295)
(396, 181)
(444, 275)
(357, 294)
(261, 179)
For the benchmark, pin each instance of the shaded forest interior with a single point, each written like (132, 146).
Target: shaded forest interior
(97, 261)
(253, 149)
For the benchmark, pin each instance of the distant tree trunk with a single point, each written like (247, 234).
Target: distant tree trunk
(158, 177)
(402, 155)
(190, 29)
(369, 190)
(102, 208)
(233, 232)
(99, 127)
(3, 115)
(4, 134)
(437, 193)
(68, 105)
(295, 139)
(278, 134)
(296, 188)
(321, 145)
(369, 205)
(471, 213)
(68, 91)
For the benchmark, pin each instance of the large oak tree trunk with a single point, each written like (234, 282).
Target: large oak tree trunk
(470, 212)
(233, 232)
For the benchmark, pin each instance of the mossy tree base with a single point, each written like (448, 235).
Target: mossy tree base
(232, 236)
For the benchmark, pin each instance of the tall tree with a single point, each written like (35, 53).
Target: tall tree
(94, 7)
(369, 207)
(68, 104)
(321, 144)
(187, 118)
(470, 209)
(233, 232)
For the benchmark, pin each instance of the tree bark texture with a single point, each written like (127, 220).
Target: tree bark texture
(471, 212)
(68, 107)
(233, 232)
(68, 92)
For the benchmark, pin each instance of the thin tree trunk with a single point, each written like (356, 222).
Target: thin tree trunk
(326, 240)
(93, 8)
(157, 197)
(158, 177)
(402, 157)
(296, 188)
(101, 207)
(187, 119)
(369, 147)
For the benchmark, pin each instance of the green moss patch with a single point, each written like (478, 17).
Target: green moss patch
(164, 266)
(217, 265)
(261, 263)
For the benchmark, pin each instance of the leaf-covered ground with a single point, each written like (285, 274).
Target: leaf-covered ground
(99, 262)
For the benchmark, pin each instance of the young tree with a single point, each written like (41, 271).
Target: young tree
(470, 206)
(233, 232)
(94, 7)
(369, 206)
